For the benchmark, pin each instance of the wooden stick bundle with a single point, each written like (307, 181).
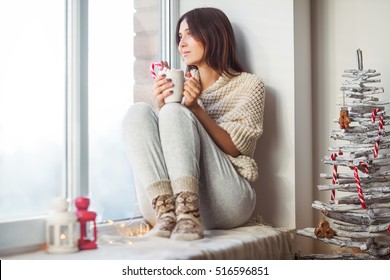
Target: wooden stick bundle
(362, 164)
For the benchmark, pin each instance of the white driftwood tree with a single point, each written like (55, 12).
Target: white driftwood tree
(359, 205)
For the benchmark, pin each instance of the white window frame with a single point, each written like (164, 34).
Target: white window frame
(77, 100)
(16, 235)
(170, 10)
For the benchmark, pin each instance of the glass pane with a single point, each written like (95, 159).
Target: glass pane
(111, 59)
(32, 105)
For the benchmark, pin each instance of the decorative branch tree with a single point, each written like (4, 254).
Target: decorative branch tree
(360, 210)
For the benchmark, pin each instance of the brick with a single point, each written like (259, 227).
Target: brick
(146, 48)
(146, 45)
(142, 70)
(144, 93)
(146, 4)
(146, 21)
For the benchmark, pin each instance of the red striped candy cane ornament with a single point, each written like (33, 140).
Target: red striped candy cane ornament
(373, 115)
(380, 128)
(358, 186)
(334, 177)
(152, 67)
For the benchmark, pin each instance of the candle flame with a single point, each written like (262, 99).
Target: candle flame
(62, 236)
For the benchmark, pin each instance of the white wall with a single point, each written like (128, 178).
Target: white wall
(266, 38)
(339, 28)
(273, 38)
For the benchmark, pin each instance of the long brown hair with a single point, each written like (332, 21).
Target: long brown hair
(213, 29)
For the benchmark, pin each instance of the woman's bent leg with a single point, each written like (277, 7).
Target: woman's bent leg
(181, 148)
(153, 188)
(226, 199)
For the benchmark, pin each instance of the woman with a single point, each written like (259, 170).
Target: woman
(193, 161)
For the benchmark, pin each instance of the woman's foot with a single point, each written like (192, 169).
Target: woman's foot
(188, 225)
(164, 205)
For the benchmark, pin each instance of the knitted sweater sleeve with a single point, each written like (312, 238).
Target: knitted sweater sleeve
(244, 122)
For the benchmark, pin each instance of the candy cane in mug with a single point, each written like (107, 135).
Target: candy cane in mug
(152, 67)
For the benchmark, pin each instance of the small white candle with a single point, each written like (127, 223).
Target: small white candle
(63, 239)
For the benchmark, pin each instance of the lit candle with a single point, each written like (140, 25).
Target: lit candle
(60, 235)
(63, 238)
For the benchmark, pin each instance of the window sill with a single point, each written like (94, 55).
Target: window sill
(254, 241)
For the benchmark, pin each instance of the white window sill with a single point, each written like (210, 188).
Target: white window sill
(248, 242)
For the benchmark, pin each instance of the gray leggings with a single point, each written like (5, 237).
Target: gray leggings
(174, 144)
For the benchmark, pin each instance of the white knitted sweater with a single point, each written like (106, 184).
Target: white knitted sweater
(237, 105)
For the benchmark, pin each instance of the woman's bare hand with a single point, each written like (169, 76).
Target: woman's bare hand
(162, 85)
(192, 90)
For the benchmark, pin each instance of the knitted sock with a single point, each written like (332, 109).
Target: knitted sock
(164, 206)
(188, 225)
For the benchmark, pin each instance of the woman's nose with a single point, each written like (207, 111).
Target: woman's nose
(182, 42)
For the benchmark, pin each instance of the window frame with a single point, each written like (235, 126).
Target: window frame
(15, 234)
(169, 12)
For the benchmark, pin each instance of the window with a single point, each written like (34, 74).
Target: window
(110, 86)
(32, 111)
(66, 79)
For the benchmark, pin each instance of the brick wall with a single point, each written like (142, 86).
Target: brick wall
(146, 47)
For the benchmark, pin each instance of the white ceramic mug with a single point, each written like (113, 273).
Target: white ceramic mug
(177, 77)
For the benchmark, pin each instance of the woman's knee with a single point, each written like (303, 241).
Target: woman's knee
(137, 114)
(173, 113)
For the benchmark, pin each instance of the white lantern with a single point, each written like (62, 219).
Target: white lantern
(61, 229)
